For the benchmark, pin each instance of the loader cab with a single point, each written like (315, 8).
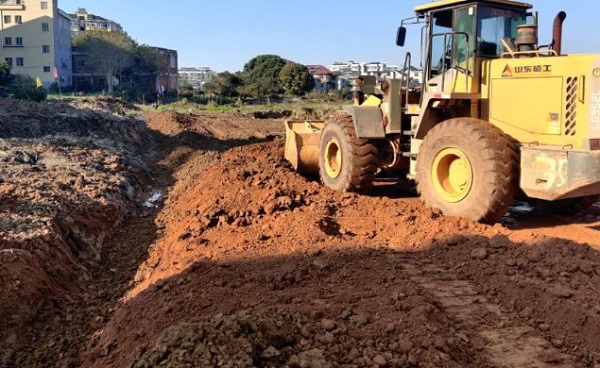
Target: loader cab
(460, 35)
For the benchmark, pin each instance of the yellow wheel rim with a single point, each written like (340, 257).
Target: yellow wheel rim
(452, 175)
(332, 157)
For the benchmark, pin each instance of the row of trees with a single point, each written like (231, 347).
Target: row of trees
(264, 75)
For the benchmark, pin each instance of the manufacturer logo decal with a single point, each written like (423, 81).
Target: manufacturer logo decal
(596, 73)
(526, 71)
(507, 72)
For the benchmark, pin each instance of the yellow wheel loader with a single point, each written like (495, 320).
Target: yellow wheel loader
(498, 114)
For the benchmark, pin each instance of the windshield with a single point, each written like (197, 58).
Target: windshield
(494, 24)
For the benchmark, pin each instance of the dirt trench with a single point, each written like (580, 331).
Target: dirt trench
(245, 263)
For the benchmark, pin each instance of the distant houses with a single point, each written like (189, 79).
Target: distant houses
(324, 79)
(341, 75)
(336, 76)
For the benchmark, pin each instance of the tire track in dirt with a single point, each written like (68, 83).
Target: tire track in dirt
(507, 345)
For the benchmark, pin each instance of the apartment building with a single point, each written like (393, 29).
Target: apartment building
(82, 21)
(195, 77)
(36, 40)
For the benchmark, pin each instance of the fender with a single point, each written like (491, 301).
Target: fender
(368, 121)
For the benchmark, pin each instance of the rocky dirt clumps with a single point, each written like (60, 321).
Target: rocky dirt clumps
(67, 179)
(106, 104)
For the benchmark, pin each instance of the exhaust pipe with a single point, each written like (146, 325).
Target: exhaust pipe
(557, 32)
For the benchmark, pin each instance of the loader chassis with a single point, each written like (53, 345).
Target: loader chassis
(497, 114)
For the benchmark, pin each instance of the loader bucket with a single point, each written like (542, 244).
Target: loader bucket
(302, 145)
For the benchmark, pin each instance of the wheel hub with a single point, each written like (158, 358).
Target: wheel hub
(452, 174)
(333, 159)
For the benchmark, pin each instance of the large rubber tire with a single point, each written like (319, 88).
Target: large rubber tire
(569, 206)
(469, 168)
(346, 163)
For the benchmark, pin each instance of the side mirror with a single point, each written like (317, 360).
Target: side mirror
(401, 36)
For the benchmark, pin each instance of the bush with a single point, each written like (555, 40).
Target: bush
(5, 78)
(186, 91)
(344, 94)
(24, 88)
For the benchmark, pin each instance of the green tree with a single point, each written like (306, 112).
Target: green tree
(296, 79)
(106, 53)
(261, 75)
(5, 77)
(146, 57)
(140, 79)
(223, 84)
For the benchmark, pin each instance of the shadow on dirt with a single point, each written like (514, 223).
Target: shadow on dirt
(355, 305)
(394, 189)
(522, 216)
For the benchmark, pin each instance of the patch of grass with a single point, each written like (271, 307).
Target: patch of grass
(188, 107)
(72, 95)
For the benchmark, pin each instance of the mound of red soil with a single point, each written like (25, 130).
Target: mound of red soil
(351, 280)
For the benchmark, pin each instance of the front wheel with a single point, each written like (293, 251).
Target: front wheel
(346, 163)
(467, 167)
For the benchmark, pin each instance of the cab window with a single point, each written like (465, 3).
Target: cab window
(493, 25)
(464, 40)
(441, 38)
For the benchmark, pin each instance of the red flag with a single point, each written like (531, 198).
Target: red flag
(55, 73)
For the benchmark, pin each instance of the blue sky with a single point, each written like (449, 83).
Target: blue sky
(225, 34)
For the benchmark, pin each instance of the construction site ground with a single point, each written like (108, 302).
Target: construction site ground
(186, 240)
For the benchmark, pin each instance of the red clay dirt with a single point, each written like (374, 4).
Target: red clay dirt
(248, 264)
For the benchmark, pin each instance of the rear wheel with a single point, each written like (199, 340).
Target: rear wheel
(467, 167)
(346, 163)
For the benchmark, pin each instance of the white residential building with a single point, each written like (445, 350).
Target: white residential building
(350, 70)
(82, 21)
(195, 77)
